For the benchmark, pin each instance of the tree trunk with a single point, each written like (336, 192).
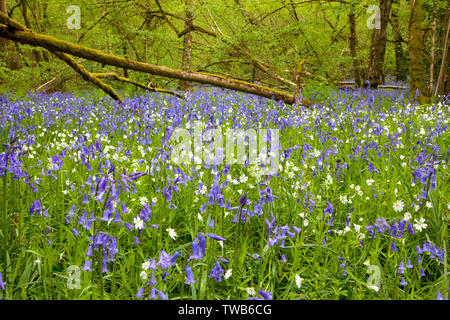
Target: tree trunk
(13, 30)
(447, 80)
(415, 45)
(7, 48)
(401, 63)
(433, 48)
(442, 84)
(187, 44)
(353, 45)
(375, 74)
(35, 54)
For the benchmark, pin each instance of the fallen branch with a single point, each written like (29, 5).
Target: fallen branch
(28, 37)
(138, 84)
(86, 75)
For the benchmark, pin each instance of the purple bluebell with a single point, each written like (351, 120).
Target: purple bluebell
(87, 266)
(140, 293)
(265, 294)
(36, 207)
(216, 237)
(166, 261)
(162, 295)
(217, 272)
(2, 284)
(196, 252)
(189, 275)
(403, 282)
(401, 268)
(152, 280)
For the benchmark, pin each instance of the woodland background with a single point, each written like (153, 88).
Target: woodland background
(312, 45)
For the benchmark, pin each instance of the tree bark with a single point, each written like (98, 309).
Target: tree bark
(353, 45)
(415, 45)
(35, 54)
(401, 63)
(433, 49)
(187, 44)
(375, 74)
(7, 48)
(7, 30)
(442, 85)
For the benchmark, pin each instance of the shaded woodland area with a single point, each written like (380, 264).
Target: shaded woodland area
(281, 49)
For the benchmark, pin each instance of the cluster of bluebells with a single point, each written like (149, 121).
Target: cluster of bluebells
(395, 229)
(104, 168)
(165, 262)
(103, 245)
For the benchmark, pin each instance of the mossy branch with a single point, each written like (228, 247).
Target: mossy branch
(53, 44)
(136, 83)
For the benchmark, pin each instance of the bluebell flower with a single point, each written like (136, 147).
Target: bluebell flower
(162, 295)
(401, 268)
(152, 293)
(202, 242)
(329, 208)
(140, 292)
(418, 250)
(153, 265)
(410, 228)
(128, 226)
(36, 207)
(266, 295)
(166, 261)
(217, 272)
(422, 273)
(196, 253)
(403, 282)
(393, 246)
(2, 284)
(189, 275)
(243, 200)
(87, 266)
(408, 264)
(152, 280)
(216, 237)
(297, 230)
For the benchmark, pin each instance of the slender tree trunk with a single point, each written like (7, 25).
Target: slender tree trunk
(45, 24)
(353, 45)
(442, 85)
(7, 48)
(433, 48)
(447, 79)
(187, 44)
(415, 46)
(375, 74)
(401, 63)
(35, 54)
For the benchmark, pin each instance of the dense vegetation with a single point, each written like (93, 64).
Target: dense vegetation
(114, 182)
